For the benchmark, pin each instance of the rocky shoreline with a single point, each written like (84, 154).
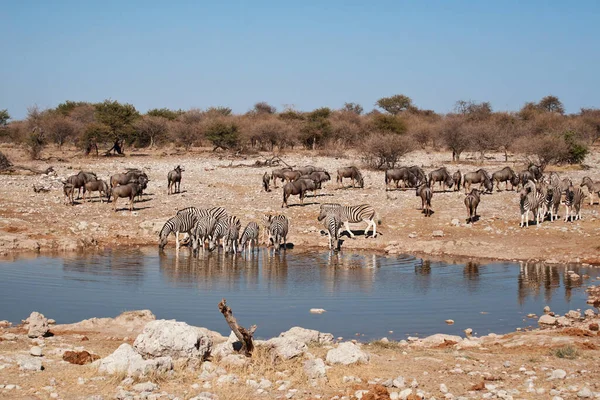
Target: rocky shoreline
(135, 356)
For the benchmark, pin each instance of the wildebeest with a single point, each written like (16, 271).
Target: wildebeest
(400, 174)
(78, 181)
(174, 180)
(419, 173)
(442, 176)
(457, 178)
(129, 190)
(471, 202)
(536, 171)
(125, 178)
(265, 180)
(524, 177)
(593, 187)
(99, 186)
(507, 175)
(350, 172)
(480, 176)
(68, 190)
(291, 175)
(425, 193)
(299, 187)
(309, 169)
(278, 173)
(318, 177)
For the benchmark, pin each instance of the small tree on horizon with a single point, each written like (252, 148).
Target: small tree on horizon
(395, 104)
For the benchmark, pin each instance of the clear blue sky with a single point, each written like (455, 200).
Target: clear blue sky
(185, 54)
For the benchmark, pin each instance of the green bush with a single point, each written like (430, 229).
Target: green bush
(222, 134)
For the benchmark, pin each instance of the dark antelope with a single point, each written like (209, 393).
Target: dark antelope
(299, 187)
(127, 191)
(471, 202)
(350, 172)
(400, 174)
(507, 175)
(174, 180)
(480, 176)
(442, 176)
(97, 186)
(78, 181)
(425, 193)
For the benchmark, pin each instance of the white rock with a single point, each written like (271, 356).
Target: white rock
(235, 360)
(307, 336)
(360, 393)
(398, 382)
(455, 222)
(443, 388)
(437, 233)
(440, 338)
(317, 310)
(347, 353)
(27, 363)
(589, 313)
(574, 314)
(547, 320)
(36, 351)
(585, 393)
(315, 368)
(564, 321)
(38, 325)
(125, 359)
(145, 387)
(405, 393)
(558, 374)
(394, 396)
(163, 338)
(286, 348)
(227, 379)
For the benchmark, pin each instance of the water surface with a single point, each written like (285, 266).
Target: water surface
(363, 293)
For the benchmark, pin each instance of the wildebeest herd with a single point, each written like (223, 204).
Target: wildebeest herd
(539, 194)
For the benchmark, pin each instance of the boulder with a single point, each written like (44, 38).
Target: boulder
(28, 363)
(125, 359)
(574, 314)
(315, 368)
(36, 351)
(547, 320)
(307, 336)
(234, 360)
(440, 338)
(162, 338)
(558, 374)
(230, 346)
(38, 325)
(347, 353)
(286, 348)
(564, 321)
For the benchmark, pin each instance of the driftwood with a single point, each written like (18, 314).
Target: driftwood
(269, 162)
(244, 335)
(40, 189)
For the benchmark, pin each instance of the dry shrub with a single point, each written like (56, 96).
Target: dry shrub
(383, 151)
(454, 135)
(185, 134)
(267, 132)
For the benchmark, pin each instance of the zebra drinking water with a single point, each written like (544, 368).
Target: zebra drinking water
(278, 230)
(203, 231)
(229, 230)
(351, 214)
(249, 238)
(333, 223)
(180, 223)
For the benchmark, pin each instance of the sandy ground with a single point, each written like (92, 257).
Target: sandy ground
(40, 221)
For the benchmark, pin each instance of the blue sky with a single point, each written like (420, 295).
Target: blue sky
(308, 54)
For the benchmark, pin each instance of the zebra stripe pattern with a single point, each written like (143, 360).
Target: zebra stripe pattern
(573, 201)
(278, 230)
(249, 237)
(351, 214)
(217, 213)
(180, 223)
(531, 200)
(203, 231)
(229, 230)
(333, 223)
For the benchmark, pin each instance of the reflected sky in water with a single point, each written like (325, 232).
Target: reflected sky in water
(362, 293)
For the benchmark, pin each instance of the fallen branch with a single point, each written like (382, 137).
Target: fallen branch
(244, 335)
(14, 168)
(42, 189)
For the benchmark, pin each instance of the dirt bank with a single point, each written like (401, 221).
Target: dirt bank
(41, 222)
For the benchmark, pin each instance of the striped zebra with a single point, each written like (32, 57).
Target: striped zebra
(217, 213)
(552, 200)
(229, 230)
(180, 223)
(573, 201)
(249, 238)
(530, 200)
(333, 223)
(351, 214)
(203, 231)
(278, 230)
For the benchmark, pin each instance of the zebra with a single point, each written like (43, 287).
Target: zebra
(333, 223)
(183, 222)
(217, 213)
(278, 230)
(249, 237)
(530, 200)
(351, 214)
(203, 230)
(573, 201)
(229, 230)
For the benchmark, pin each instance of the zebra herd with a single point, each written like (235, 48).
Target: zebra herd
(207, 227)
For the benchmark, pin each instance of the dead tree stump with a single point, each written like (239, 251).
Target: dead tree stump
(244, 335)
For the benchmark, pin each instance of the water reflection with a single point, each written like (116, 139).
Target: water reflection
(537, 278)
(130, 269)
